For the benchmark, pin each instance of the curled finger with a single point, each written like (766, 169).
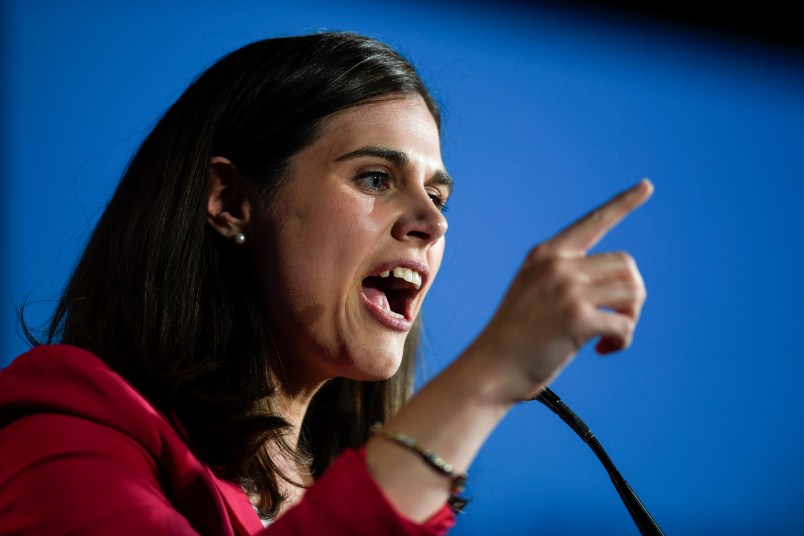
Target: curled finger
(616, 331)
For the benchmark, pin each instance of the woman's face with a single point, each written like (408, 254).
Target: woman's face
(354, 243)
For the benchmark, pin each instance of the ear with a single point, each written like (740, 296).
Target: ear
(228, 207)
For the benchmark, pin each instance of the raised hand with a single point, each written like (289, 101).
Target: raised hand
(560, 299)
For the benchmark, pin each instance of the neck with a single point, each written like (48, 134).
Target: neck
(298, 382)
(292, 407)
(291, 404)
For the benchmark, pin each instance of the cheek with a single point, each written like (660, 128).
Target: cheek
(435, 256)
(323, 249)
(341, 217)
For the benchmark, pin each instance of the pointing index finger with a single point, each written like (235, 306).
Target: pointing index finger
(586, 232)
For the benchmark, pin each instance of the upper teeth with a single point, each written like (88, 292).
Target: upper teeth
(411, 276)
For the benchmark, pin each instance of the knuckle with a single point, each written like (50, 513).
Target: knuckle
(629, 326)
(625, 259)
(628, 339)
(640, 292)
(554, 268)
(633, 278)
(635, 289)
(537, 253)
(577, 311)
(626, 332)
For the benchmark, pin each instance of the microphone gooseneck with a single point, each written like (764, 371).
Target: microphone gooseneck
(642, 518)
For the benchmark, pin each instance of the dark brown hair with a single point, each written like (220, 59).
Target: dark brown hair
(170, 305)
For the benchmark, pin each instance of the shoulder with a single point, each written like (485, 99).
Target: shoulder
(63, 473)
(82, 450)
(65, 380)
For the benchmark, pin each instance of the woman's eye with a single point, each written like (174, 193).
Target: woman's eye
(439, 201)
(374, 180)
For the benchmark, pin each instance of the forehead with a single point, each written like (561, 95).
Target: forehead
(404, 123)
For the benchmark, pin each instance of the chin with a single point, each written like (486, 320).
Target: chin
(375, 373)
(374, 365)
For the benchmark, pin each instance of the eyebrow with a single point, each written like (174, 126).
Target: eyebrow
(399, 158)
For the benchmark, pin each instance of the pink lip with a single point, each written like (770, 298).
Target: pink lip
(397, 324)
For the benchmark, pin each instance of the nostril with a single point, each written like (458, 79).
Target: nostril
(419, 234)
(423, 222)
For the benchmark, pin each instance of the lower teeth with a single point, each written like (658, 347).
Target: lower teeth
(395, 315)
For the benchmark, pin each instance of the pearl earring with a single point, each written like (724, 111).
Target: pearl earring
(239, 239)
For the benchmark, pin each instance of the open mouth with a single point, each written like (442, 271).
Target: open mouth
(394, 291)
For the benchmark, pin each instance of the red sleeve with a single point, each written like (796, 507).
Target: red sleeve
(347, 500)
(64, 474)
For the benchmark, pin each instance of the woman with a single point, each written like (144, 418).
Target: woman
(247, 308)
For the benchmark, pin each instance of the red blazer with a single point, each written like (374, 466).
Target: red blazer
(82, 452)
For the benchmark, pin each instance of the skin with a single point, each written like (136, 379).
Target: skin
(367, 192)
(560, 299)
(345, 211)
(332, 230)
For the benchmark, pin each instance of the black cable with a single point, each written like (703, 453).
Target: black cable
(640, 514)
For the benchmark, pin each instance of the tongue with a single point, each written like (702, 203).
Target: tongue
(377, 297)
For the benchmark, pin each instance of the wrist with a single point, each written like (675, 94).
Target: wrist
(492, 381)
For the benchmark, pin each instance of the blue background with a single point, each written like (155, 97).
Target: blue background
(547, 114)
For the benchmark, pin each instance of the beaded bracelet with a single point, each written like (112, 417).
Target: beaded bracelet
(435, 462)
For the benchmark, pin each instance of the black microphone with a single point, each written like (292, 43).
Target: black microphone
(642, 518)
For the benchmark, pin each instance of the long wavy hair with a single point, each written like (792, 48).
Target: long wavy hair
(170, 305)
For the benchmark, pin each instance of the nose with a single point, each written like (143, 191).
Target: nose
(421, 221)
